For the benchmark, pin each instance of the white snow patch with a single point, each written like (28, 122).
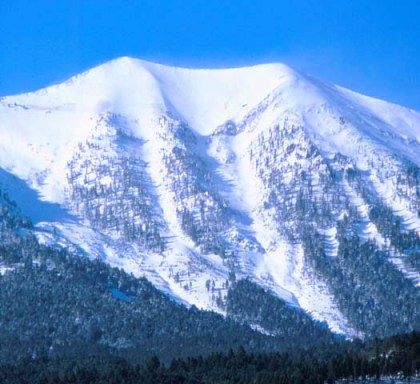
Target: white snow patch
(330, 241)
(4, 269)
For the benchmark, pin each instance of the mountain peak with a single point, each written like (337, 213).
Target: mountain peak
(199, 177)
(213, 96)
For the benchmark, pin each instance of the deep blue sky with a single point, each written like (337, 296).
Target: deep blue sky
(371, 46)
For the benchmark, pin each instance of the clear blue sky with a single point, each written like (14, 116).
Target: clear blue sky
(371, 46)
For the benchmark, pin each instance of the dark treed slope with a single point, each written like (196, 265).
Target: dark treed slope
(53, 303)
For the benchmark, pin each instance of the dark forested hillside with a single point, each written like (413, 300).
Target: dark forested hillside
(249, 304)
(55, 304)
(394, 358)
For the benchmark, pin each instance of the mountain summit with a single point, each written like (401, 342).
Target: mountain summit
(200, 178)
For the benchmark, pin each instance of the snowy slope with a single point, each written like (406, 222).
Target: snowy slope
(171, 173)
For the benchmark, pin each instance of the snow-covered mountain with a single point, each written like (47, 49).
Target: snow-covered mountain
(199, 178)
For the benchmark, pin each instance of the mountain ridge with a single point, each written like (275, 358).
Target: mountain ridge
(196, 178)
